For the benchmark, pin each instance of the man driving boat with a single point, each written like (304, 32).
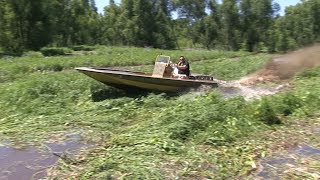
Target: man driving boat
(182, 69)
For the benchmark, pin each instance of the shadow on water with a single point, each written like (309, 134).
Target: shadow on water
(20, 161)
(275, 167)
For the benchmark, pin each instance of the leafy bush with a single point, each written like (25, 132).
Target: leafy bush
(266, 113)
(315, 72)
(5, 76)
(207, 114)
(55, 51)
(33, 54)
(57, 67)
(83, 48)
(20, 69)
(290, 103)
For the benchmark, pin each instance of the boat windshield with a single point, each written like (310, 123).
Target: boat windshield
(163, 59)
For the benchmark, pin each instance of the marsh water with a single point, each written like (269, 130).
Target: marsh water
(277, 166)
(22, 161)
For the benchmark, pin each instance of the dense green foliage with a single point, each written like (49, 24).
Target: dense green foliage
(55, 51)
(13, 68)
(230, 25)
(147, 135)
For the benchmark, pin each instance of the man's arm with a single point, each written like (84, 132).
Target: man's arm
(182, 67)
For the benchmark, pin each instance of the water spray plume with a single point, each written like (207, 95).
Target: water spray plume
(286, 66)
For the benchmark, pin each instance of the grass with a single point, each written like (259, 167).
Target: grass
(231, 68)
(150, 135)
(13, 68)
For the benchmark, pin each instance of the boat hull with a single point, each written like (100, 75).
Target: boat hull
(119, 78)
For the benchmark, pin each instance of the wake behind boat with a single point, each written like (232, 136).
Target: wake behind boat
(161, 79)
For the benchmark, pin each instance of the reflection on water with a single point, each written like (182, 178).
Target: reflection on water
(306, 150)
(29, 162)
(276, 166)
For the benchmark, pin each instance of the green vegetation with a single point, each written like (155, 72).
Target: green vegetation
(55, 51)
(12, 68)
(149, 135)
(231, 68)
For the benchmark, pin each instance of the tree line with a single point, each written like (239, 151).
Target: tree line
(252, 25)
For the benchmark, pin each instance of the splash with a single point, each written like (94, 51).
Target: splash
(278, 70)
(286, 66)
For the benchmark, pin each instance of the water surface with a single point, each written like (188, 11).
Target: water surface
(23, 161)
